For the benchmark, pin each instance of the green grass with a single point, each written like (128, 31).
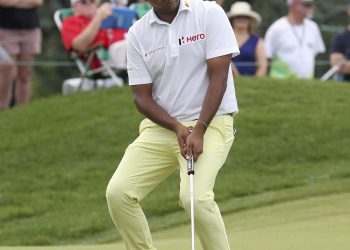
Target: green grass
(58, 154)
(317, 223)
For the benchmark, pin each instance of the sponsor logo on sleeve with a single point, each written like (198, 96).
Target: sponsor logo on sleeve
(154, 51)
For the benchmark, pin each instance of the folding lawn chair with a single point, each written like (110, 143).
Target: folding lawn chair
(84, 66)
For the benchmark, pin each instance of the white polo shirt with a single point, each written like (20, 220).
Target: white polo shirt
(173, 57)
(296, 45)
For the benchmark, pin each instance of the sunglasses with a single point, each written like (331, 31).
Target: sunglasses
(87, 1)
(308, 4)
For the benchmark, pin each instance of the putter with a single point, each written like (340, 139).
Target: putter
(190, 172)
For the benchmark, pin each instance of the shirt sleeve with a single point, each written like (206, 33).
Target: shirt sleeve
(320, 47)
(337, 45)
(269, 42)
(136, 66)
(68, 32)
(220, 38)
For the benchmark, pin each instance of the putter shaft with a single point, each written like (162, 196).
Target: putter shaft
(190, 172)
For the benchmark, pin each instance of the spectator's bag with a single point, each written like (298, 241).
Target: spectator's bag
(280, 69)
(122, 18)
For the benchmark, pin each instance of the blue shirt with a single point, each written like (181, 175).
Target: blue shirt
(246, 61)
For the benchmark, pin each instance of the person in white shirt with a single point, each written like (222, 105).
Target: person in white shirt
(179, 57)
(292, 42)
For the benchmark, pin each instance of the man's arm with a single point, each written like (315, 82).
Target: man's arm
(218, 71)
(147, 106)
(189, 144)
(338, 58)
(25, 4)
(261, 59)
(84, 41)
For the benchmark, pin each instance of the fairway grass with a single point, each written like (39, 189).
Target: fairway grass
(318, 223)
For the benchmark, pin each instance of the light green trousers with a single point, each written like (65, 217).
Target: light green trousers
(148, 161)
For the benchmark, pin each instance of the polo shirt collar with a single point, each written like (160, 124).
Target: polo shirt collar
(184, 6)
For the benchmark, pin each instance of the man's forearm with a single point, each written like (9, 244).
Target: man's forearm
(218, 71)
(339, 60)
(212, 100)
(157, 114)
(345, 69)
(25, 4)
(84, 41)
(147, 106)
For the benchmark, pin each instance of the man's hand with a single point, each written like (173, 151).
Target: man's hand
(194, 142)
(104, 11)
(85, 40)
(182, 134)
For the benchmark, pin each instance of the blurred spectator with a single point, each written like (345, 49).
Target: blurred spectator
(340, 52)
(117, 2)
(7, 74)
(292, 42)
(220, 2)
(141, 7)
(20, 36)
(81, 32)
(252, 59)
(120, 2)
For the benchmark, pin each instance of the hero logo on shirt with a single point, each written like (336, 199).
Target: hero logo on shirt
(191, 38)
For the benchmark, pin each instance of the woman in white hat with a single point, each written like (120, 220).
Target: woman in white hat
(252, 59)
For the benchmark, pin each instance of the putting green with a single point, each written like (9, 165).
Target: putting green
(319, 223)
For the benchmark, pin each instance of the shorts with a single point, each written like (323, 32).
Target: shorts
(3, 54)
(17, 42)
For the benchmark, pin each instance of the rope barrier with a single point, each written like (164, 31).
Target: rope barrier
(46, 63)
(331, 29)
(72, 64)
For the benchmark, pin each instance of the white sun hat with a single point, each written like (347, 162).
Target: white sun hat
(243, 9)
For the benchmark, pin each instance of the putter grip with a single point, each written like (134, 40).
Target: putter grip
(190, 166)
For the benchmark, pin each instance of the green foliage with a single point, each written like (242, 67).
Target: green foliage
(58, 154)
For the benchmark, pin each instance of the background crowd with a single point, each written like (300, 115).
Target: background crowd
(288, 47)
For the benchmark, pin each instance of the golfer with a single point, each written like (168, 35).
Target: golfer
(179, 57)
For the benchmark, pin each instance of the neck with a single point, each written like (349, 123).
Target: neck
(167, 17)
(165, 14)
(242, 36)
(295, 19)
(241, 32)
